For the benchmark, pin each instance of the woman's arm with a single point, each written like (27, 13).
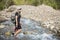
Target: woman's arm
(16, 20)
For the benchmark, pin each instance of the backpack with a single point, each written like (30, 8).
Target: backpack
(13, 17)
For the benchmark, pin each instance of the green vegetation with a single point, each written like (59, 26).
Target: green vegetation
(53, 3)
(6, 3)
(50, 3)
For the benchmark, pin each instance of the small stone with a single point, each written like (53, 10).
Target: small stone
(7, 33)
(2, 26)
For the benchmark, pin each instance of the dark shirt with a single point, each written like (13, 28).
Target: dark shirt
(18, 19)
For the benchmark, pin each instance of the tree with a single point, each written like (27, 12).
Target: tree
(5, 3)
(35, 3)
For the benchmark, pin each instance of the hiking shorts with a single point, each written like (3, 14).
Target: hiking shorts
(18, 27)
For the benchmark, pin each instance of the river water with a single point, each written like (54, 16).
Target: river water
(31, 28)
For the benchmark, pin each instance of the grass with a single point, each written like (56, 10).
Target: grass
(19, 2)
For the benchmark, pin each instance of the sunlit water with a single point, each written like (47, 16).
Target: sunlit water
(32, 29)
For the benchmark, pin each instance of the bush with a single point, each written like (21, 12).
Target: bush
(53, 3)
(5, 3)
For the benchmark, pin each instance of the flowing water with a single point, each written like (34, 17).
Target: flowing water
(31, 28)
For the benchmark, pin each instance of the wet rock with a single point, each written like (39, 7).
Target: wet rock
(11, 9)
(2, 26)
(2, 19)
(2, 38)
(52, 25)
(8, 33)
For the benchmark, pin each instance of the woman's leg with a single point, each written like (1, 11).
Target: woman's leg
(18, 29)
(17, 32)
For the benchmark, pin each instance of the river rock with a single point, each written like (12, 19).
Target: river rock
(2, 19)
(2, 26)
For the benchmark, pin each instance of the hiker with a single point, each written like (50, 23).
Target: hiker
(17, 22)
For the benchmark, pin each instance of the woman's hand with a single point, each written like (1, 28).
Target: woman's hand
(16, 24)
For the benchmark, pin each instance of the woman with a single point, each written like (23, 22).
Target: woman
(17, 23)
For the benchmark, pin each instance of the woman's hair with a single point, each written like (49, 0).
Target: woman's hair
(20, 9)
(16, 13)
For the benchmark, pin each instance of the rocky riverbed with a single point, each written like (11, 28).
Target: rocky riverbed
(46, 16)
(31, 28)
